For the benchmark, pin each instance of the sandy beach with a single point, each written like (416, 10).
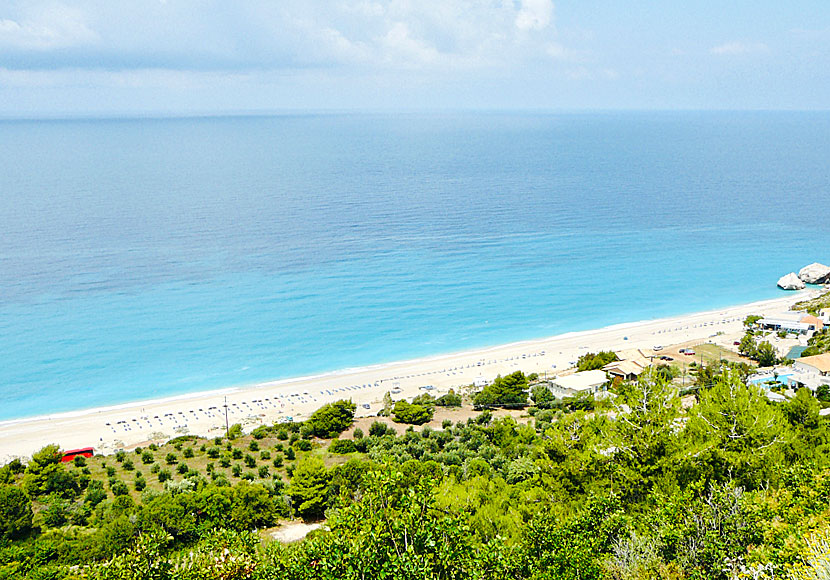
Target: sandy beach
(110, 428)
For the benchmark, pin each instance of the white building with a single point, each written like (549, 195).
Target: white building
(812, 371)
(584, 382)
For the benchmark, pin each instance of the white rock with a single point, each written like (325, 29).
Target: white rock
(791, 282)
(815, 273)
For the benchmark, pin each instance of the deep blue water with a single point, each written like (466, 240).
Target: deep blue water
(143, 258)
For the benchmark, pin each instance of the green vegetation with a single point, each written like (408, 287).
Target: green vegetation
(594, 361)
(451, 399)
(332, 419)
(763, 353)
(814, 305)
(509, 391)
(819, 343)
(412, 414)
(636, 488)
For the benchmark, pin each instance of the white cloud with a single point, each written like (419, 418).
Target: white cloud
(739, 48)
(53, 27)
(400, 44)
(534, 15)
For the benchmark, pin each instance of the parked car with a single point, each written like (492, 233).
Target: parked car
(657, 347)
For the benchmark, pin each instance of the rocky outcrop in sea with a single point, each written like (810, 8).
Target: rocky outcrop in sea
(815, 273)
(791, 282)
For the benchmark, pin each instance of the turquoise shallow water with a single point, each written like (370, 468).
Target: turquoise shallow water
(146, 258)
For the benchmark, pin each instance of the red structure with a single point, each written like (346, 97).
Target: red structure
(73, 453)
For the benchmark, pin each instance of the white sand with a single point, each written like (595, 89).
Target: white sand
(111, 428)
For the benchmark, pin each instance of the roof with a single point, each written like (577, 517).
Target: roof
(626, 367)
(819, 361)
(809, 319)
(581, 381)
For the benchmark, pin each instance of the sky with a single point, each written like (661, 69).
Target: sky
(111, 57)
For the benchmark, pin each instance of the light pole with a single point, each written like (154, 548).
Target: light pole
(227, 429)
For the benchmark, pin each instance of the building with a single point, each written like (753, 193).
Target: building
(789, 323)
(627, 370)
(578, 383)
(812, 371)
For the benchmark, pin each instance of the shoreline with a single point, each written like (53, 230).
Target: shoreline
(110, 427)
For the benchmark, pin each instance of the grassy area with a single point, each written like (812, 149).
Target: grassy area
(815, 305)
(258, 460)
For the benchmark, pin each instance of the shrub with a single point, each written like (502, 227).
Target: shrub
(260, 433)
(265, 455)
(289, 454)
(119, 488)
(188, 452)
(358, 433)
(404, 412)
(182, 468)
(236, 453)
(378, 429)
(171, 458)
(249, 460)
(263, 472)
(451, 399)
(214, 452)
(164, 475)
(332, 419)
(253, 446)
(79, 461)
(147, 458)
(342, 446)
(303, 445)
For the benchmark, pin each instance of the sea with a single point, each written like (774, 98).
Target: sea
(150, 257)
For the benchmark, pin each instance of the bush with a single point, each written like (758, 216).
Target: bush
(249, 460)
(171, 458)
(79, 461)
(236, 453)
(278, 461)
(253, 446)
(332, 419)
(289, 454)
(408, 413)
(214, 452)
(164, 475)
(358, 433)
(128, 465)
(508, 391)
(451, 399)
(377, 429)
(342, 446)
(265, 455)
(188, 453)
(15, 513)
(303, 445)
(182, 468)
(147, 458)
(595, 361)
